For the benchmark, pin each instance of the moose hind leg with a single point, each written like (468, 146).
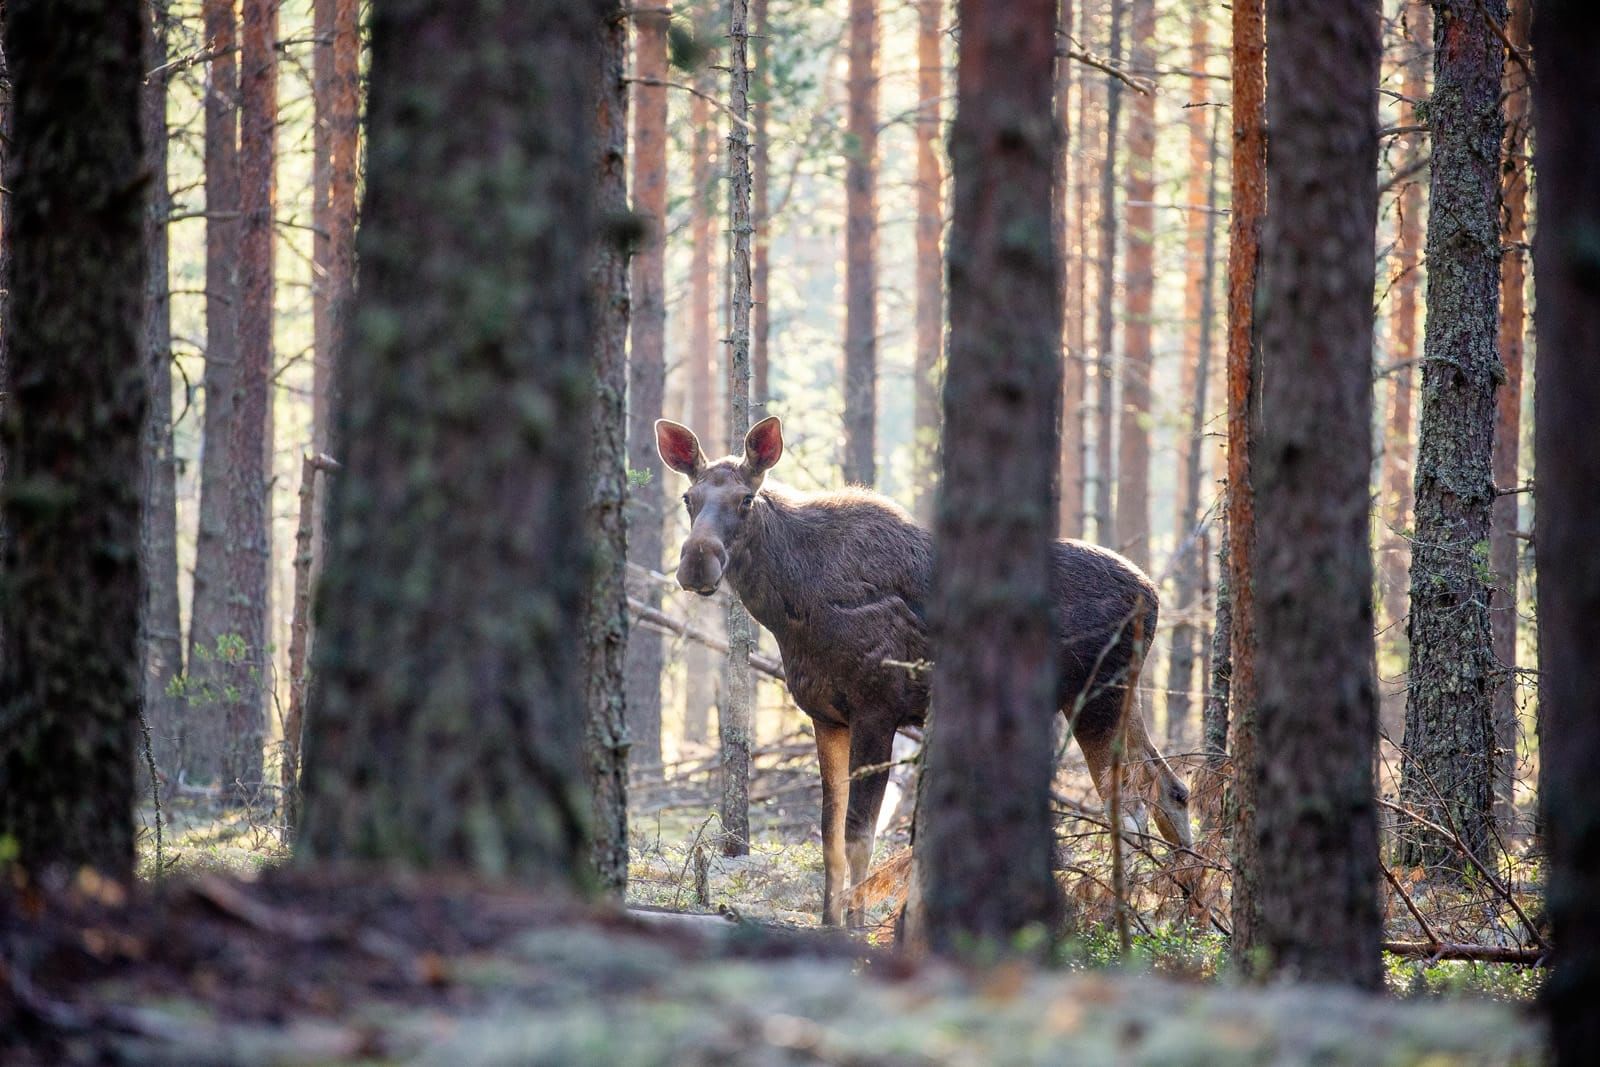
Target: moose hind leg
(833, 753)
(869, 748)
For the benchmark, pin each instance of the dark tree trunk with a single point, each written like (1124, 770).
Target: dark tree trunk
(203, 735)
(861, 249)
(1249, 208)
(163, 636)
(447, 728)
(1069, 476)
(647, 370)
(1193, 555)
(1508, 422)
(336, 93)
(605, 632)
(738, 684)
(1447, 768)
(1211, 780)
(322, 18)
(1566, 38)
(74, 434)
(1133, 415)
(1316, 694)
(5, 286)
(985, 839)
(930, 261)
(1105, 530)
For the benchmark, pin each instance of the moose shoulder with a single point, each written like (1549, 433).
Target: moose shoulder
(841, 579)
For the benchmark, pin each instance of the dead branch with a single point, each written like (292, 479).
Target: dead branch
(660, 620)
(1422, 950)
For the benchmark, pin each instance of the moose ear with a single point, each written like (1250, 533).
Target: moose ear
(679, 448)
(763, 445)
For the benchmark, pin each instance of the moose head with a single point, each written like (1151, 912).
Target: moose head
(721, 496)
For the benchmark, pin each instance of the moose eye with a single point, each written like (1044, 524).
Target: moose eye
(686, 505)
(748, 502)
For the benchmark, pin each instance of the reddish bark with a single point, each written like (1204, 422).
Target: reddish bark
(1133, 431)
(930, 262)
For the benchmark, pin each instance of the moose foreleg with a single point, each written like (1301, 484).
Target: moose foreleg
(870, 753)
(833, 753)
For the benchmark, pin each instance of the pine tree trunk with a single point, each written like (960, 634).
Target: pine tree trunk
(5, 288)
(1193, 559)
(1069, 478)
(204, 731)
(1316, 693)
(74, 434)
(930, 261)
(1566, 38)
(1508, 422)
(605, 632)
(162, 632)
(1078, 412)
(985, 840)
(861, 249)
(760, 311)
(247, 663)
(738, 685)
(1248, 205)
(647, 370)
(447, 728)
(1447, 768)
(1133, 415)
(322, 31)
(1105, 305)
(1210, 781)
(1398, 451)
(703, 668)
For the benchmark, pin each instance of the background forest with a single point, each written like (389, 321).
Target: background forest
(364, 506)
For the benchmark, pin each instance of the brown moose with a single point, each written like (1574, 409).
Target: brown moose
(842, 580)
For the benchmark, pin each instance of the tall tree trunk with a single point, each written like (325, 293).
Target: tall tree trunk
(1398, 449)
(1210, 781)
(322, 32)
(861, 249)
(647, 371)
(5, 287)
(1249, 208)
(447, 730)
(761, 311)
(1508, 422)
(1069, 477)
(204, 732)
(738, 685)
(985, 839)
(930, 261)
(163, 635)
(1105, 305)
(1447, 768)
(1193, 549)
(247, 662)
(1133, 430)
(1566, 38)
(605, 633)
(1077, 413)
(74, 434)
(1316, 694)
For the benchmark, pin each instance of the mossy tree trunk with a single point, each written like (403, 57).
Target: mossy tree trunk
(1316, 694)
(605, 632)
(1447, 767)
(447, 729)
(1566, 262)
(74, 433)
(985, 840)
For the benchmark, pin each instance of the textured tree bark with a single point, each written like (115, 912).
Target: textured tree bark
(738, 684)
(246, 662)
(1447, 768)
(1316, 693)
(1105, 530)
(1069, 421)
(1211, 781)
(322, 32)
(930, 261)
(162, 632)
(760, 311)
(5, 286)
(1133, 415)
(861, 249)
(605, 632)
(1398, 450)
(985, 840)
(1508, 418)
(1566, 270)
(447, 728)
(1193, 561)
(336, 93)
(647, 372)
(1076, 416)
(1249, 207)
(201, 740)
(74, 434)
(300, 641)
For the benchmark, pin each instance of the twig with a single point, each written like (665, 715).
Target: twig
(660, 83)
(1394, 883)
(660, 620)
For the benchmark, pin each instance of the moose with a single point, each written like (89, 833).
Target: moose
(842, 580)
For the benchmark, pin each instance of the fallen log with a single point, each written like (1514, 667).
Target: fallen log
(1427, 950)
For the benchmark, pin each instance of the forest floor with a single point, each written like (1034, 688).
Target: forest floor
(231, 956)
